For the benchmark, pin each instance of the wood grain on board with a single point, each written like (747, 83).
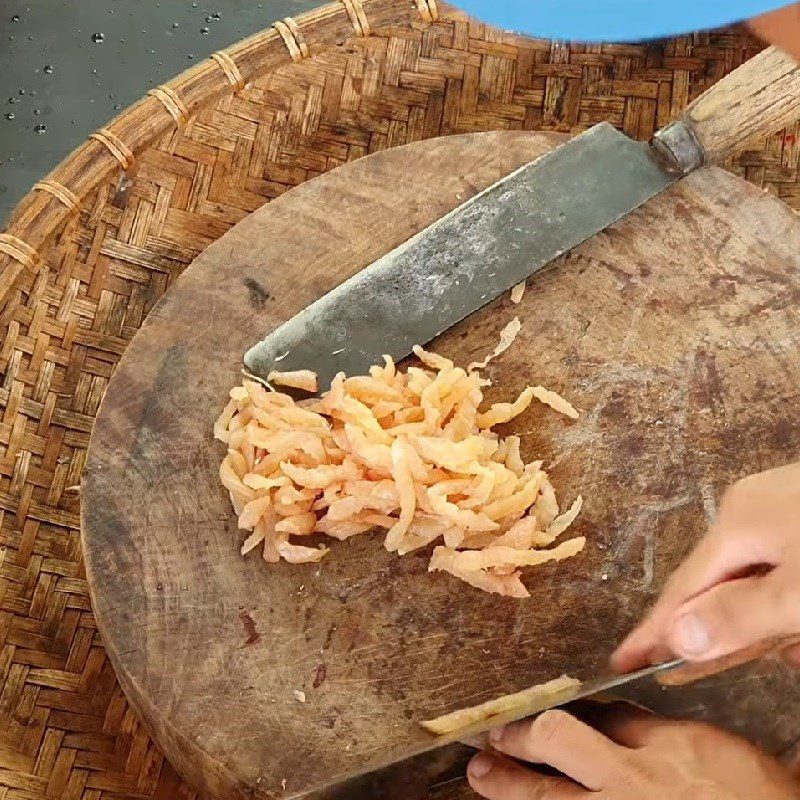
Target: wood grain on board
(676, 334)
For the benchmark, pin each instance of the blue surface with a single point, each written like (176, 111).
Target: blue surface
(613, 20)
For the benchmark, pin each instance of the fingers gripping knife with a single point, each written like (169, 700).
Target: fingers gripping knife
(517, 226)
(428, 761)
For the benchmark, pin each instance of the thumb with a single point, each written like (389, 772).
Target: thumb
(734, 615)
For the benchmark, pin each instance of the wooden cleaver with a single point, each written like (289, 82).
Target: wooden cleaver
(518, 225)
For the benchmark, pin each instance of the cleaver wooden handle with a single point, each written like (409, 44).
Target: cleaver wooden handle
(704, 669)
(756, 99)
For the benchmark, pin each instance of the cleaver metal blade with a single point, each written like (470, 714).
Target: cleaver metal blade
(516, 226)
(425, 759)
(469, 257)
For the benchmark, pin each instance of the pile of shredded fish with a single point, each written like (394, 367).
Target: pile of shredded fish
(410, 453)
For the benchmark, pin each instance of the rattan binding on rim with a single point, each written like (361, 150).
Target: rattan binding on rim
(228, 66)
(357, 16)
(171, 100)
(428, 10)
(60, 192)
(115, 146)
(293, 38)
(18, 250)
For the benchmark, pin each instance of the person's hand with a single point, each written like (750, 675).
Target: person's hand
(740, 586)
(636, 756)
(780, 27)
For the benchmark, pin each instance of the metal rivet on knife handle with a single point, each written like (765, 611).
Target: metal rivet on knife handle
(678, 144)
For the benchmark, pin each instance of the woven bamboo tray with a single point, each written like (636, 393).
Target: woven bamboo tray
(93, 246)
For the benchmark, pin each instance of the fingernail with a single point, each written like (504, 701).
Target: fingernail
(480, 766)
(496, 734)
(692, 634)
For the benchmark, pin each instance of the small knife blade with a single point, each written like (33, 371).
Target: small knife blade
(387, 777)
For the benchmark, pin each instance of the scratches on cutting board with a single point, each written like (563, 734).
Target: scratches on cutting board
(709, 498)
(644, 524)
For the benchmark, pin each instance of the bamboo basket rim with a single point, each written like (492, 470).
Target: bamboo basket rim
(57, 197)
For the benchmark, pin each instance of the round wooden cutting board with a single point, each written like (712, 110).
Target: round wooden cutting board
(675, 332)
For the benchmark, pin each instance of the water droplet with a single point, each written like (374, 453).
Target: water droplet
(13, 100)
(40, 129)
(10, 38)
(190, 56)
(117, 106)
(30, 38)
(209, 18)
(174, 24)
(10, 115)
(48, 69)
(94, 72)
(216, 15)
(194, 5)
(15, 18)
(36, 112)
(21, 91)
(204, 31)
(98, 37)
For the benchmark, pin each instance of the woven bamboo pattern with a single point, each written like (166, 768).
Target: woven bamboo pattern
(88, 254)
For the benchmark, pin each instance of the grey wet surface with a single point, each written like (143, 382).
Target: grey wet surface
(68, 67)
